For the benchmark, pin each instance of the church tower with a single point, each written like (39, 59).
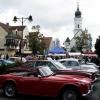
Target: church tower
(77, 20)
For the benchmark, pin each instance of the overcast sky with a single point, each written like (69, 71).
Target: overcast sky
(55, 17)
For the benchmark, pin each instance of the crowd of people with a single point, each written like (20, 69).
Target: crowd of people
(84, 59)
(2, 56)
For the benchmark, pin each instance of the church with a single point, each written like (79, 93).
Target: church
(79, 33)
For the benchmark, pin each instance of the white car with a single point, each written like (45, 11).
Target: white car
(91, 67)
(74, 64)
(87, 68)
(70, 63)
(93, 64)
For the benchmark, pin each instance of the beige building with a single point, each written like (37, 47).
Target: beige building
(10, 37)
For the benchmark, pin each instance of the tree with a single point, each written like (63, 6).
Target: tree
(73, 49)
(35, 43)
(97, 46)
(81, 42)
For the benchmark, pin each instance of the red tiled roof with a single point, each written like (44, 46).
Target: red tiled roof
(19, 28)
(5, 26)
(47, 41)
(10, 28)
(30, 32)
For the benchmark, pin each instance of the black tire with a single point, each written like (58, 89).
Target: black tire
(69, 94)
(9, 90)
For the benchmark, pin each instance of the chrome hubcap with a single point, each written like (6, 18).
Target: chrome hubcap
(9, 90)
(69, 95)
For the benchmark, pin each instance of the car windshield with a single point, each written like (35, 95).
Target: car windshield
(72, 63)
(45, 71)
(59, 66)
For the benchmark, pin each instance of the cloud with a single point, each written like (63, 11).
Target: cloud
(55, 17)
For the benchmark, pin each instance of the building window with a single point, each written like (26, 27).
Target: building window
(78, 25)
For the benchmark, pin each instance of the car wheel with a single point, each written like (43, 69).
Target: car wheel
(69, 95)
(9, 90)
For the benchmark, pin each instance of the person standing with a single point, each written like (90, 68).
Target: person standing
(7, 57)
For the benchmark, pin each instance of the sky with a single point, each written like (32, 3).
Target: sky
(55, 17)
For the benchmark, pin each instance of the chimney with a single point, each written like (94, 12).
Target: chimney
(7, 24)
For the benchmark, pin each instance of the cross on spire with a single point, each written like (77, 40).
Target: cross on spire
(77, 4)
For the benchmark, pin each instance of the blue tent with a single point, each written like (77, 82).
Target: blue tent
(57, 50)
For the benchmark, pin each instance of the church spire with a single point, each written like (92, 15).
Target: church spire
(78, 12)
(77, 6)
(78, 19)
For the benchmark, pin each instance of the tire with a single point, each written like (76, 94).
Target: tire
(9, 90)
(69, 95)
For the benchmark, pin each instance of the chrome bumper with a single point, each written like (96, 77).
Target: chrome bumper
(89, 91)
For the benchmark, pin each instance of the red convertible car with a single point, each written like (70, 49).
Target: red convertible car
(43, 82)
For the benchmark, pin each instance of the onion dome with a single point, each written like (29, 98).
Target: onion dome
(78, 12)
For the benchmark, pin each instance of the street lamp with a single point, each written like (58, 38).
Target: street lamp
(22, 19)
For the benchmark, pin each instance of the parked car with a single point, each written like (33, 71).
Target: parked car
(43, 82)
(3, 64)
(6, 62)
(70, 63)
(18, 59)
(92, 64)
(74, 64)
(55, 66)
(91, 68)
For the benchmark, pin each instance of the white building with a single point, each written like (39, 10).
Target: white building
(78, 31)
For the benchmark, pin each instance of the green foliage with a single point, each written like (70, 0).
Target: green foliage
(35, 43)
(73, 49)
(81, 41)
(97, 46)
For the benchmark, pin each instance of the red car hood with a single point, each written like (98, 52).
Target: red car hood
(74, 71)
(70, 78)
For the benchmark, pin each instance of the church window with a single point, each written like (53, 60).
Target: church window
(78, 25)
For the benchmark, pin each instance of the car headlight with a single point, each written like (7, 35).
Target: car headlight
(84, 81)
